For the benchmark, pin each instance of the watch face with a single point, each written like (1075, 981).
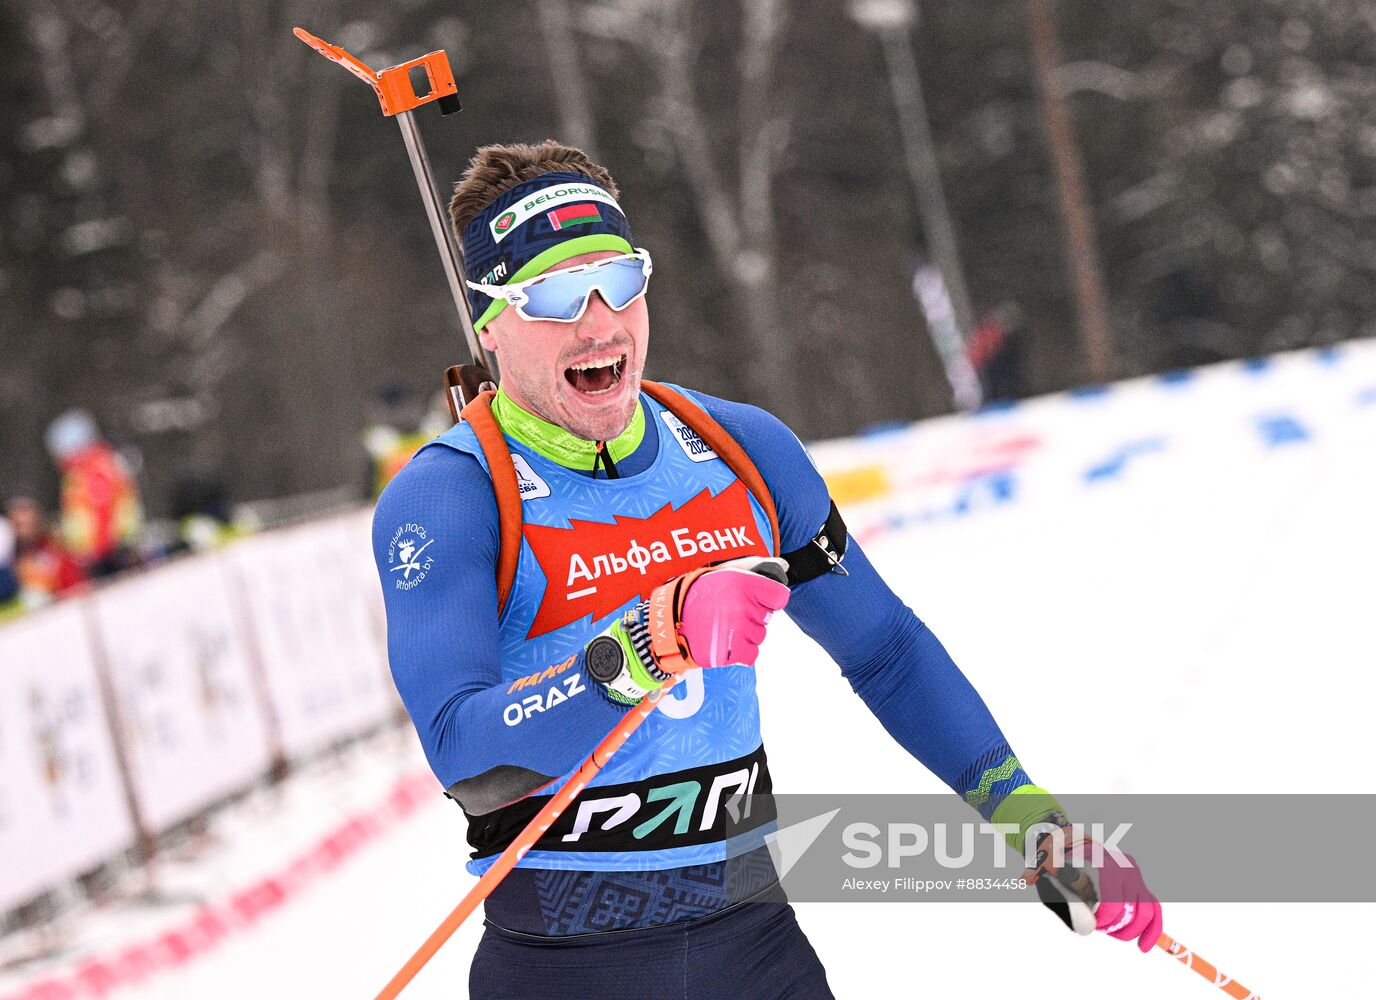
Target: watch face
(604, 659)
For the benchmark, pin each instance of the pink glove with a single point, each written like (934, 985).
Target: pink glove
(727, 608)
(715, 616)
(1095, 888)
(1127, 910)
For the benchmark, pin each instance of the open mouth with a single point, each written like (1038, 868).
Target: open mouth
(596, 375)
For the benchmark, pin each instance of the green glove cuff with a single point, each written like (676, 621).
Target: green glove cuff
(1026, 806)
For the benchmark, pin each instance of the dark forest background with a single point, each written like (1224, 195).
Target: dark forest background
(211, 238)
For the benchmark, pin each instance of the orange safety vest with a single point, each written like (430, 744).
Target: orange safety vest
(100, 503)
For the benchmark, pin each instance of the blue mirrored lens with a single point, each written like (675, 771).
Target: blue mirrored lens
(561, 294)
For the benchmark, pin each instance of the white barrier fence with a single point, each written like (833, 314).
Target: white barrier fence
(316, 614)
(62, 803)
(138, 706)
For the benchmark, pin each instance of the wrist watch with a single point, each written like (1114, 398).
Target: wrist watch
(605, 661)
(608, 658)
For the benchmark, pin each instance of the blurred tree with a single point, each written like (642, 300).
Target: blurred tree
(211, 238)
(732, 188)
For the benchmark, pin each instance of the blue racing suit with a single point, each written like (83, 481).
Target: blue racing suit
(502, 707)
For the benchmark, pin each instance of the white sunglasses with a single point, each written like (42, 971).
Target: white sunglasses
(562, 296)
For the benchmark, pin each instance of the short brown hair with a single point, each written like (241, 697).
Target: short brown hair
(500, 168)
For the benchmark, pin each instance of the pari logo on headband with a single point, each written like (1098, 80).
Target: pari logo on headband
(552, 197)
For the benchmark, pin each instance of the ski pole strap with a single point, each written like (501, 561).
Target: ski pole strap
(823, 554)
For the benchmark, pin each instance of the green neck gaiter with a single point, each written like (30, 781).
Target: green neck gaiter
(557, 444)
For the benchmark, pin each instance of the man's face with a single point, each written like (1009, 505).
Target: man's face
(545, 365)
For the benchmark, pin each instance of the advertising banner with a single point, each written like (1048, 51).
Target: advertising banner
(358, 539)
(311, 594)
(193, 717)
(62, 804)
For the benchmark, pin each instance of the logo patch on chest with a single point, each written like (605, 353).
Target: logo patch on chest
(593, 568)
(693, 446)
(531, 486)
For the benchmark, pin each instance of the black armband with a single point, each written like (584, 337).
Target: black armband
(821, 555)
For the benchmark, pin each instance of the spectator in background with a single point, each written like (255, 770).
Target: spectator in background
(200, 506)
(101, 515)
(995, 351)
(42, 565)
(9, 583)
(396, 435)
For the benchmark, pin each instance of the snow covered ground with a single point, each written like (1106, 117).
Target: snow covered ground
(1191, 559)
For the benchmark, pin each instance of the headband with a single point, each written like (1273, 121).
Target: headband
(533, 226)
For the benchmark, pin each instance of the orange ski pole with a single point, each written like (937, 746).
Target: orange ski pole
(1190, 960)
(517, 849)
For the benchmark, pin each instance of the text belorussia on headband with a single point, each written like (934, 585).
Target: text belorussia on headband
(544, 199)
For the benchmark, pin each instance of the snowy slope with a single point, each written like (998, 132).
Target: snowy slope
(1192, 556)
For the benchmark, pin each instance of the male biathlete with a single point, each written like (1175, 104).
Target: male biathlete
(652, 521)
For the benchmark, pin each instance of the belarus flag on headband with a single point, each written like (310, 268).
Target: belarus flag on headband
(574, 215)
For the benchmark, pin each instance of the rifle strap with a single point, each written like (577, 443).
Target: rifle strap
(478, 415)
